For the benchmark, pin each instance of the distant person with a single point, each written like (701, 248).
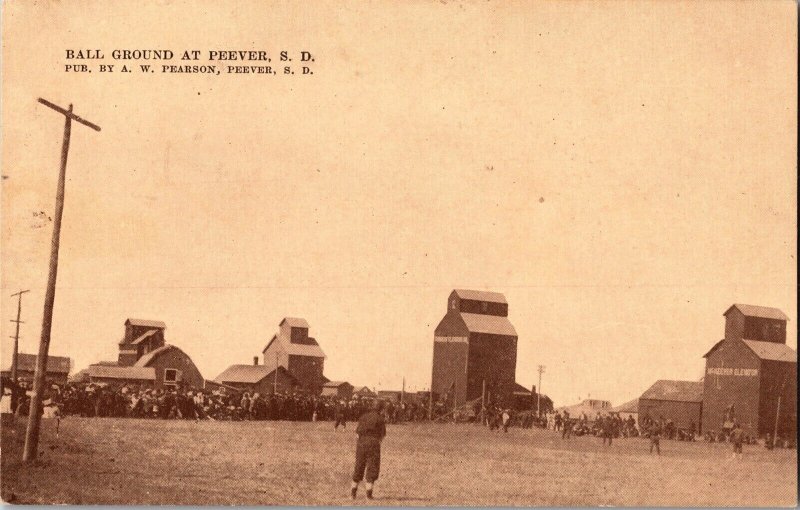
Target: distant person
(566, 430)
(371, 430)
(608, 430)
(737, 438)
(339, 416)
(655, 436)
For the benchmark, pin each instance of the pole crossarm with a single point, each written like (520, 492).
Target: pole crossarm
(69, 114)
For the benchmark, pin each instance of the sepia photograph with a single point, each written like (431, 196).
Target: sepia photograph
(425, 253)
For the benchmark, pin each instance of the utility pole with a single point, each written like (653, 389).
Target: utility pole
(275, 383)
(483, 403)
(34, 417)
(539, 393)
(455, 402)
(15, 354)
(778, 412)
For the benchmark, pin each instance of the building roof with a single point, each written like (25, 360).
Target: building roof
(274, 337)
(520, 389)
(713, 348)
(481, 295)
(491, 324)
(147, 323)
(675, 391)
(294, 322)
(150, 356)
(55, 364)
(134, 372)
(249, 374)
(772, 351)
(310, 349)
(142, 337)
(632, 406)
(313, 350)
(363, 389)
(765, 312)
(334, 384)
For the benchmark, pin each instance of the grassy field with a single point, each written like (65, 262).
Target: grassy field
(118, 461)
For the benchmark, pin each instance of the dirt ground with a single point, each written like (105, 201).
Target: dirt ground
(126, 461)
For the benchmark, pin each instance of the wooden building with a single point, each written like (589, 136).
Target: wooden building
(474, 343)
(58, 368)
(390, 395)
(118, 376)
(679, 401)
(749, 371)
(629, 408)
(145, 359)
(260, 379)
(298, 353)
(363, 391)
(591, 407)
(141, 337)
(339, 389)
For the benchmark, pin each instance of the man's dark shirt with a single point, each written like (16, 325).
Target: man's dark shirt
(371, 428)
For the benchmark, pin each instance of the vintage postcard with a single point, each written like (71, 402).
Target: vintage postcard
(399, 253)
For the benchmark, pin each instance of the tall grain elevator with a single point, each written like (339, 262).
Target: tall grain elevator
(750, 372)
(474, 344)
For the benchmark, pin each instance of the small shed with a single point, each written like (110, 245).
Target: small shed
(679, 401)
(116, 375)
(628, 409)
(260, 379)
(338, 389)
(58, 368)
(363, 391)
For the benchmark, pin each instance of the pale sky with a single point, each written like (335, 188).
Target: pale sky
(623, 172)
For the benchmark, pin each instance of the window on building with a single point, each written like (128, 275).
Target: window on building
(172, 376)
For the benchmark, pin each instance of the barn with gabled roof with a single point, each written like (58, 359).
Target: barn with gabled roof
(145, 359)
(679, 401)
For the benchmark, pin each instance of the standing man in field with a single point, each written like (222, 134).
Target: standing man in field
(737, 438)
(371, 430)
(339, 416)
(655, 436)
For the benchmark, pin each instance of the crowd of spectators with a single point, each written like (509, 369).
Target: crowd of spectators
(130, 401)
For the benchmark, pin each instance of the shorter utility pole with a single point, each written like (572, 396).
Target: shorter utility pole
(483, 403)
(539, 392)
(430, 403)
(15, 354)
(778, 413)
(275, 383)
(454, 400)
